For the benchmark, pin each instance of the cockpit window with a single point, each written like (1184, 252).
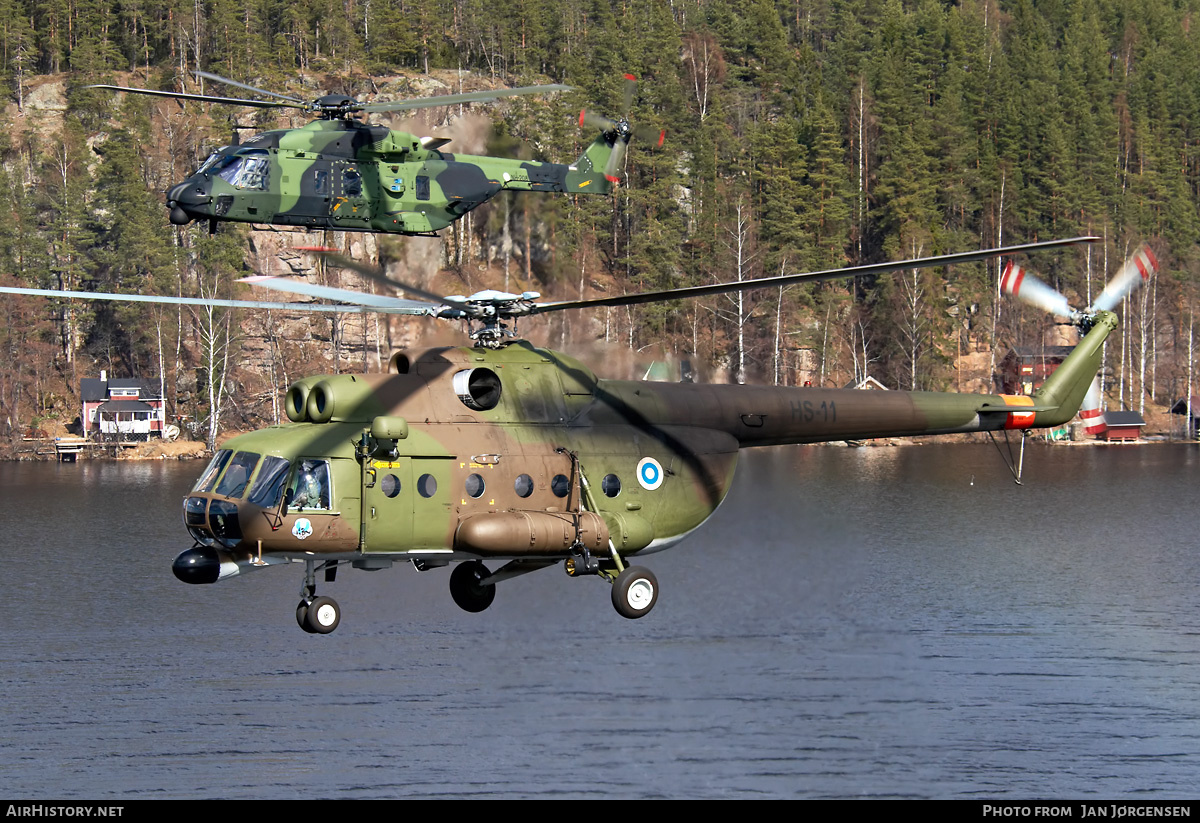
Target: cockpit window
(310, 486)
(268, 488)
(206, 481)
(217, 160)
(248, 171)
(233, 482)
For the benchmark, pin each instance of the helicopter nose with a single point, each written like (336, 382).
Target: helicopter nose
(175, 191)
(188, 200)
(198, 565)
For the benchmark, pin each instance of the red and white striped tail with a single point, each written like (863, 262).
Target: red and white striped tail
(1091, 412)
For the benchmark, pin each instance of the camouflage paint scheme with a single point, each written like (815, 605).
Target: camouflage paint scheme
(349, 176)
(453, 413)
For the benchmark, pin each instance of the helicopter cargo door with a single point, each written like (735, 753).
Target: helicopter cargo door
(387, 505)
(352, 195)
(307, 189)
(406, 505)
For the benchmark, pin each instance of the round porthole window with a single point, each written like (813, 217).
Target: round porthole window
(560, 485)
(523, 485)
(475, 485)
(390, 485)
(610, 485)
(427, 485)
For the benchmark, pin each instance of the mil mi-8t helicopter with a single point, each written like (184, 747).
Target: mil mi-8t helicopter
(339, 173)
(510, 453)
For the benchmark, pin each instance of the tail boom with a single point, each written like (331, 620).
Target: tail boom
(768, 416)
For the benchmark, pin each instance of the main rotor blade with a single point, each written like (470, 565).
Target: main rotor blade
(203, 98)
(379, 302)
(256, 90)
(376, 275)
(1019, 283)
(465, 97)
(1136, 270)
(806, 277)
(184, 301)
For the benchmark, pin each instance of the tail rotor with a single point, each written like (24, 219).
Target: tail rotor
(1019, 283)
(620, 131)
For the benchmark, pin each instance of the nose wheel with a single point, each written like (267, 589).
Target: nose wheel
(317, 615)
(321, 616)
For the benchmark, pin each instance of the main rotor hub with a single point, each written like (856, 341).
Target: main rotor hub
(335, 106)
(490, 309)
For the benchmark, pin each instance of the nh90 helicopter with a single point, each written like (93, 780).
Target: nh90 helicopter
(339, 173)
(522, 456)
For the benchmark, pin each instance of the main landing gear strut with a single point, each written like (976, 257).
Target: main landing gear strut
(634, 588)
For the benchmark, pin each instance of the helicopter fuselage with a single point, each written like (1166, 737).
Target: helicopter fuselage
(349, 176)
(524, 455)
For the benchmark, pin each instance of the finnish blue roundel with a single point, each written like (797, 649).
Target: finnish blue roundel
(649, 473)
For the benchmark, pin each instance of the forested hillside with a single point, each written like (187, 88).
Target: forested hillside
(802, 134)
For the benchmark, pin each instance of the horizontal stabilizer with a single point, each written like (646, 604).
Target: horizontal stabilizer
(986, 409)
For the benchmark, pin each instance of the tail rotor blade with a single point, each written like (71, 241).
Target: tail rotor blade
(615, 160)
(596, 121)
(630, 88)
(1137, 269)
(1015, 281)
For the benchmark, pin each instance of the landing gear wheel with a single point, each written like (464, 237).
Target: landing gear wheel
(302, 616)
(467, 587)
(323, 616)
(634, 592)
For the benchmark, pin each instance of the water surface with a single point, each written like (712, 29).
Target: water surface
(877, 622)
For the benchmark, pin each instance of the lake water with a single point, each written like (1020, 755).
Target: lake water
(876, 622)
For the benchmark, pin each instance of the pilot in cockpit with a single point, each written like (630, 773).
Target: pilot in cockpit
(312, 486)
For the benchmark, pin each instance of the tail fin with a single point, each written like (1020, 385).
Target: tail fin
(1062, 394)
(587, 174)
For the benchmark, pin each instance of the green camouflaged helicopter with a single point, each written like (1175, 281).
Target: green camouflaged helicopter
(510, 453)
(342, 174)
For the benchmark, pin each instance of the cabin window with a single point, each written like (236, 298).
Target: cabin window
(268, 488)
(427, 485)
(206, 481)
(422, 187)
(320, 181)
(390, 485)
(610, 485)
(237, 476)
(523, 485)
(560, 485)
(310, 486)
(475, 485)
(351, 183)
